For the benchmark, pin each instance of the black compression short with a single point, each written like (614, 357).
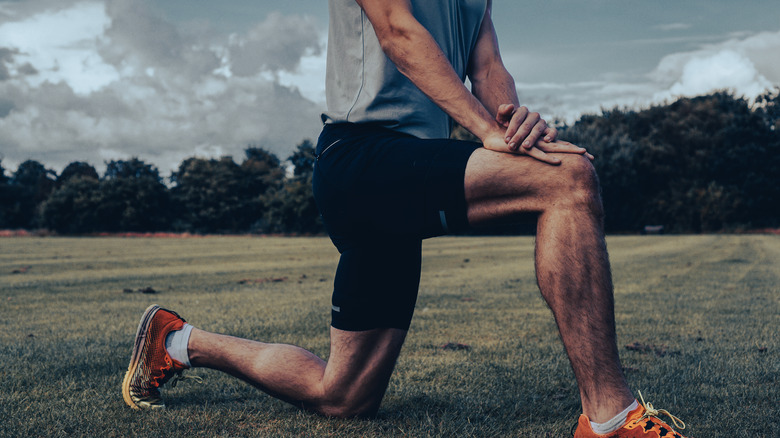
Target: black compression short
(380, 192)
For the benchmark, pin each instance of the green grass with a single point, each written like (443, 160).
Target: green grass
(705, 307)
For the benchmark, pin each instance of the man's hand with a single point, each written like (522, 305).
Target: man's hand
(541, 150)
(523, 128)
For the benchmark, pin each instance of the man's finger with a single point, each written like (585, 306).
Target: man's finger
(543, 157)
(515, 124)
(525, 131)
(505, 110)
(560, 147)
(551, 134)
(536, 132)
(504, 114)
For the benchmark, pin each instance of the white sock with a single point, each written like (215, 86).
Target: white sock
(176, 344)
(615, 423)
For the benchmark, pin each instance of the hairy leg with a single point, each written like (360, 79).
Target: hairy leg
(351, 383)
(572, 266)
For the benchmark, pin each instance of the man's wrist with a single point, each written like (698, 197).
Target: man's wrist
(486, 129)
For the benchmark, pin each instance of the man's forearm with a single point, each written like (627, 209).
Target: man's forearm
(418, 57)
(494, 88)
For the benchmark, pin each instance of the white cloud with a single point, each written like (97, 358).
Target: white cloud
(723, 69)
(763, 50)
(743, 65)
(60, 46)
(309, 77)
(129, 83)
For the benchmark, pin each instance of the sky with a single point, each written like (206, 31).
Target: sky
(99, 80)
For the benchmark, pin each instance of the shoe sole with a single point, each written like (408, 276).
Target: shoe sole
(140, 337)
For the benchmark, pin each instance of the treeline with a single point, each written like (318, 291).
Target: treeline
(709, 163)
(203, 196)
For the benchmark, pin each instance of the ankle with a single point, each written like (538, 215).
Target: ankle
(607, 408)
(176, 345)
(195, 347)
(614, 423)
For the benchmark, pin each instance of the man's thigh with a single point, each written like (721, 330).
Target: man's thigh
(502, 187)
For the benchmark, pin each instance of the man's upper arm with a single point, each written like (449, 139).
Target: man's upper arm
(485, 55)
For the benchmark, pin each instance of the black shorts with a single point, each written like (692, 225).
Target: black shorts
(380, 192)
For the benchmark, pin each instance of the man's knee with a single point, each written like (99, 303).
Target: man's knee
(500, 187)
(348, 408)
(580, 183)
(579, 172)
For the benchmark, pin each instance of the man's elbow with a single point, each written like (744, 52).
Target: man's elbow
(396, 32)
(489, 72)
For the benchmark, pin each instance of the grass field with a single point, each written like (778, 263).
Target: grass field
(700, 314)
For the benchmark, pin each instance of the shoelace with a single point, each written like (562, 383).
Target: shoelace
(650, 411)
(180, 376)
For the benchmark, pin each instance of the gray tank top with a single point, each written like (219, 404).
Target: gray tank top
(363, 85)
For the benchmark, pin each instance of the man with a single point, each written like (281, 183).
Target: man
(386, 177)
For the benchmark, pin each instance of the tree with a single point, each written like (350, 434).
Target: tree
(77, 206)
(218, 195)
(262, 171)
(209, 195)
(77, 169)
(6, 198)
(768, 106)
(698, 164)
(131, 169)
(3, 178)
(73, 206)
(29, 186)
(133, 198)
(291, 208)
(303, 159)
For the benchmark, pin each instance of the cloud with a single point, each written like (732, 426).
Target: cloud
(760, 49)
(146, 87)
(6, 57)
(276, 44)
(739, 64)
(309, 76)
(59, 45)
(137, 42)
(704, 73)
(666, 27)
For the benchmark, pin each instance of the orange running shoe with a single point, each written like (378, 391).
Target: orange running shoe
(642, 422)
(151, 365)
